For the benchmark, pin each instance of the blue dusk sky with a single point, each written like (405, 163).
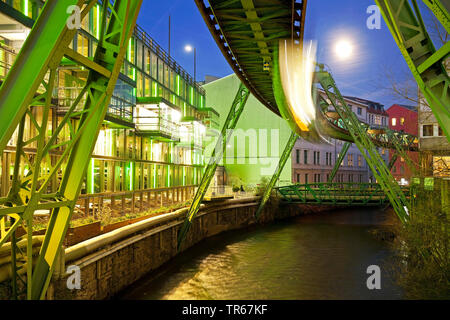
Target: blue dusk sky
(327, 21)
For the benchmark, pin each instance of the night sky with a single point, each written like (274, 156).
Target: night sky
(375, 52)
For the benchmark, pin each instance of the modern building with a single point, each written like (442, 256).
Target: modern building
(433, 144)
(313, 163)
(258, 141)
(404, 118)
(153, 134)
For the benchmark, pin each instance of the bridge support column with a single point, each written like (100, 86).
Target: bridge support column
(341, 157)
(283, 159)
(365, 145)
(230, 124)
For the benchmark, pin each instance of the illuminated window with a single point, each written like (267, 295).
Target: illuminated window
(394, 122)
(402, 121)
(350, 160)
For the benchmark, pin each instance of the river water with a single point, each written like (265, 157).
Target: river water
(322, 256)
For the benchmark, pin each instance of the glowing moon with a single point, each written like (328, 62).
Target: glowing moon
(344, 49)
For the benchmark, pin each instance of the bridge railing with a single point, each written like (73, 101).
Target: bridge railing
(334, 193)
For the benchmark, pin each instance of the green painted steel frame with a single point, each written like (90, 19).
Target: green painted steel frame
(283, 159)
(230, 124)
(365, 194)
(425, 62)
(365, 145)
(338, 163)
(28, 193)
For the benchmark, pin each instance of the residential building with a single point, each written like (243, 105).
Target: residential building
(312, 163)
(433, 144)
(404, 118)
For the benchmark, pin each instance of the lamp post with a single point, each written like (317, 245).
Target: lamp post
(189, 48)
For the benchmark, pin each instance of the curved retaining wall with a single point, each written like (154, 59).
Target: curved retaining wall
(111, 262)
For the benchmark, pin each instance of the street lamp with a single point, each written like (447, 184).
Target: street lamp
(189, 48)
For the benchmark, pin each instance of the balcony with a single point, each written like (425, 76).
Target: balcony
(157, 118)
(71, 82)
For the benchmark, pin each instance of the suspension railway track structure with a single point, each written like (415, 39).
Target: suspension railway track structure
(247, 32)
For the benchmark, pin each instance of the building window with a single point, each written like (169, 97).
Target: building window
(350, 178)
(360, 178)
(359, 111)
(306, 178)
(440, 132)
(402, 121)
(428, 130)
(402, 170)
(359, 160)
(298, 178)
(305, 156)
(298, 156)
(350, 160)
(394, 122)
(314, 157)
(378, 120)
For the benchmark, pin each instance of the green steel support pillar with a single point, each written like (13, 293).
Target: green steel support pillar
(392, 162)
(283, 159)
(110, 54)
(365, 145)
(337, 165)
(426, 63)
(30, 83)
(230, 124)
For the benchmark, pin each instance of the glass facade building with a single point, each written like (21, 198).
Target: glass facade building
(153, 133)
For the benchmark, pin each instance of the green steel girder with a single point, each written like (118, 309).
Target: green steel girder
(245, 31)
(110, 54)
(236, 110)
(392, 161)
(338, 163)
(426, 63)
(401, 152)
(334, 194)
(283, 159)
(29, 191)
(365, 145)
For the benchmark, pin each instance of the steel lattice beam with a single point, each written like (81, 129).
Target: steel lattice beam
(426, 63)
(338, 163)
(283, 159)
(365, 145)
(28, 191)
(230, 124)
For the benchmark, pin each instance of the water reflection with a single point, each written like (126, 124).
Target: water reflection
(315, 257)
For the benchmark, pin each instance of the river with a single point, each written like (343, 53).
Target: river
(321, 256)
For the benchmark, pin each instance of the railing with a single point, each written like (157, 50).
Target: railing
(219, 192)
(119, 108)
(159, 124)
(335, 194)
(7, 58)
(130, 202)
(152, 44)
